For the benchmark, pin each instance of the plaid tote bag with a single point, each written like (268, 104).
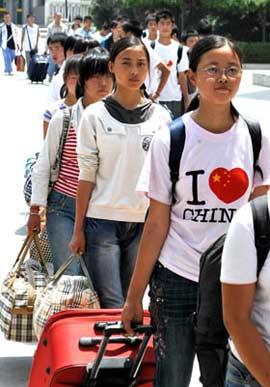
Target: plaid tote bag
(18, 293)
(64, 292)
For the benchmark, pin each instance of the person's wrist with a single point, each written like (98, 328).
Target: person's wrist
(34, 209)
(134, 297)
(157, 93)
(78, 228)
(34, 214)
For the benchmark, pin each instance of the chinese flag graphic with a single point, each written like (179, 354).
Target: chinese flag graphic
(227, 185)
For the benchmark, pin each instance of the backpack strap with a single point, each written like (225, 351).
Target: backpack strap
(256, 139)
(179, 53)
(153, 44)
(178, 137)
(261, 222)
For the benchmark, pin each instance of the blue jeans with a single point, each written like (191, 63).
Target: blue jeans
(111, 250)
(238, 375)
(172, 303)
(9, 56)
(51, 68)
(60, 223)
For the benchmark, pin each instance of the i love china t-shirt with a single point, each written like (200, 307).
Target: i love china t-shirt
(216, 178)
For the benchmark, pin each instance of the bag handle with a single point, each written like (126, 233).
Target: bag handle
(41, 257)
(66, 264)
(24, 250)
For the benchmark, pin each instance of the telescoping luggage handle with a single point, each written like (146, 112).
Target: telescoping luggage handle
(108, 331)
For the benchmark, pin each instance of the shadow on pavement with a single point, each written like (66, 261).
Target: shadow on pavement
(259, 95)
(14, 371)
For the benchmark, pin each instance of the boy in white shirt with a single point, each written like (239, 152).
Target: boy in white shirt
(168, 50)
(151, 32)
(30, 37)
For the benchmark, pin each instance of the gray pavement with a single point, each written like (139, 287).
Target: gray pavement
(22, 104)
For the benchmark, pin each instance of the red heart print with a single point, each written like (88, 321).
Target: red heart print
(227, 185)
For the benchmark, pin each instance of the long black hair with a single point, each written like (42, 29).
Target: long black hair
(210, 42)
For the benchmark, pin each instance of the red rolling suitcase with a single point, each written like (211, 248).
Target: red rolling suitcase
(86, 348)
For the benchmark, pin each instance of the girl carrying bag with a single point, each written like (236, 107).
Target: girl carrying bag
(18, 293)
(64, 292)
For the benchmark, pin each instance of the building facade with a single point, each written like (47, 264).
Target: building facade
(44, 9)
(68, 8)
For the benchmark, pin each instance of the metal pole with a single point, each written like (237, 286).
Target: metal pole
(66, 9)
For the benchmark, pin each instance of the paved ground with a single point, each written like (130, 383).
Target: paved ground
(22, 105)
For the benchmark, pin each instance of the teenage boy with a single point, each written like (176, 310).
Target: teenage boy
(176, 59)
(56, 27)
(85, 32)
(151, 32)
(56, 45)
(30, 37)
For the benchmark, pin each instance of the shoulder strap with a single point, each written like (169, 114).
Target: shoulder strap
(179, 53)
(153, 44)
(66, 124)
(256, 139)
(178, 137)
(67, 112)
(261, 222)
(30, 46)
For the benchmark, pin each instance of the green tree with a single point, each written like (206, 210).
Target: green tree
(179, 8)
(260, 8)
(105, 10)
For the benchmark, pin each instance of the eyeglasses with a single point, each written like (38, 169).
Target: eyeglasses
(214, 71)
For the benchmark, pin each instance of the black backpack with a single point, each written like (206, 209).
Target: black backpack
(211, 337)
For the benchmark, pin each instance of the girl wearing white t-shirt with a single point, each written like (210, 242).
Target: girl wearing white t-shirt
(113, 140)
(216, 177)
(246, 304)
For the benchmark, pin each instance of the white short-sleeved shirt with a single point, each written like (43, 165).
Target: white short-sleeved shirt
(240, 252)
(56, 85)
(153, 77)
(169, 55)
(52, 109)
(216, 178)
(30, 37)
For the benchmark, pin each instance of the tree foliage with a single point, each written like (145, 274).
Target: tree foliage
(243, 5)
(252, 15)
(105, 10)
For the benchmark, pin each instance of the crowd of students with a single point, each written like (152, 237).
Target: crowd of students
(116, 95)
